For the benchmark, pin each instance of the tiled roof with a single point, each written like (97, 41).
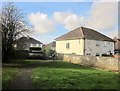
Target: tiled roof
(29, 40)
(51, 44)
(82, 32)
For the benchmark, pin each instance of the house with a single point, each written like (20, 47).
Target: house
(25, 43)
(51, 45)
(84, 41)
(30, 46)
(117, 45)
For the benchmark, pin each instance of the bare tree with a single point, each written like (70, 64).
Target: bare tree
(12, 21)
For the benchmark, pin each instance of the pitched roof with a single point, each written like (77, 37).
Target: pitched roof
(29, 40)
(82, 32)
(77, 33)
(116, 39)
(34, 41)
(51, 44)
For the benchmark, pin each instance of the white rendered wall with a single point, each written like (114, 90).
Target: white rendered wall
(101, 48)
(76, 46)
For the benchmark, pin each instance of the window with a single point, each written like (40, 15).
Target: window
(40, 45)
(97, 54)
(105, 43)
(97, 43)
(37, 45)
(31, 45)
(67, 45)
(111, 44)
(87, 53)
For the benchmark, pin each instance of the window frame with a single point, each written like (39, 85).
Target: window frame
(97, 43)
(105, 43)
(67, 45)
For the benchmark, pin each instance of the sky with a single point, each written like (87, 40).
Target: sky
(49, 20)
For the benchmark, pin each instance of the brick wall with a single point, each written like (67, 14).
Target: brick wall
(109, 63)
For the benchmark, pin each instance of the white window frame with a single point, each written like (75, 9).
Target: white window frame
(31, 45)
(105, 43)
(88, 53)
(97, 54)
(97, 43)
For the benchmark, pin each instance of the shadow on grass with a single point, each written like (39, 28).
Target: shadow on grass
(62, 65)
(44, 63)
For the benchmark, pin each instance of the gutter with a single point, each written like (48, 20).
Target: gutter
(84, 47)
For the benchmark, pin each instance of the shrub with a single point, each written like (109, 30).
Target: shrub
(20, 54)
(47, 53)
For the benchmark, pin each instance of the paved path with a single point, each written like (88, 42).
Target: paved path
(23, 81)
(23, 78)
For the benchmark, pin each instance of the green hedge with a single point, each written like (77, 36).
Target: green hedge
(47, 53)
(20, 54)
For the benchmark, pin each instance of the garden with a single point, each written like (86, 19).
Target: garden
(63, 75)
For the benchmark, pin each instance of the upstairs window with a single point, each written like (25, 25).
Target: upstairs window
(31, 45)
(105, 43)
(67, 45)
(97, 43)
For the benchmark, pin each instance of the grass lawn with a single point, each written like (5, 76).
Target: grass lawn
(24, 62)
(50, 75)
(10, 70)
(7, 75)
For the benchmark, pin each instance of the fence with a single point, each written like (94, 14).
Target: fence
(109, 63)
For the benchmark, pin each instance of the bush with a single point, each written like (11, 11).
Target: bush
(20, 54)
(47, 53)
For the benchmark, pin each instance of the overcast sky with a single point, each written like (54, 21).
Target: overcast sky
(52, 19)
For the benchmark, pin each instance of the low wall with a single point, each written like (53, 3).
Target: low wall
(109, 63)
(59, 56)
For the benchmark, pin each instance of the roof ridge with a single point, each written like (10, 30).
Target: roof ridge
(82, 32)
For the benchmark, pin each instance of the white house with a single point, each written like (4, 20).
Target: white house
(25, 43)
(84, 41)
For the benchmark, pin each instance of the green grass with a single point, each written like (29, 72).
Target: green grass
(24, 62)
(64, 75)
(7, 75)
(9, 71)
